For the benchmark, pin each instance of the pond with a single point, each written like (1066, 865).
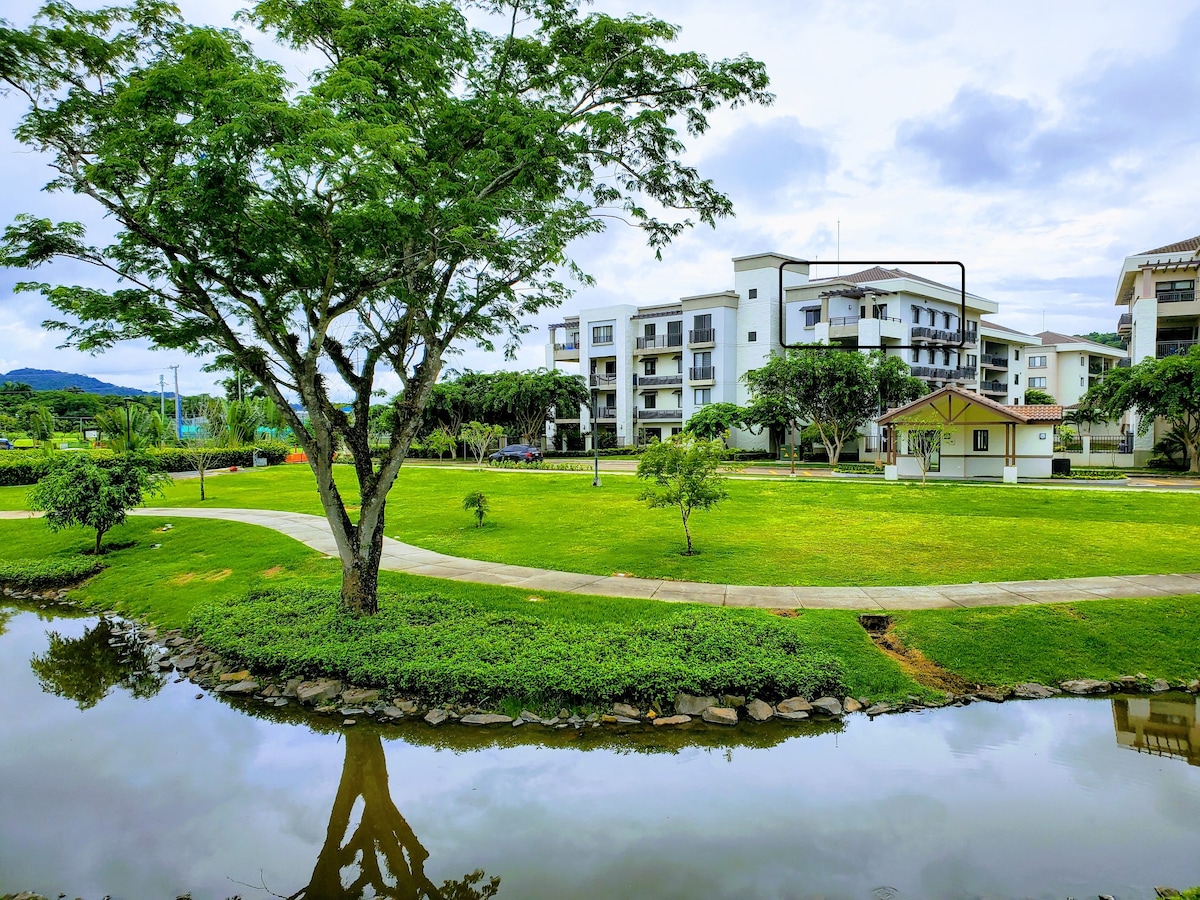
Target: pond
(128, 785)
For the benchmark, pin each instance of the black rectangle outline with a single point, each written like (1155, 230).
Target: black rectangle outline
(962, 316)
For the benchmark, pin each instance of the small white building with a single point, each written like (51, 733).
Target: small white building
(984, 439)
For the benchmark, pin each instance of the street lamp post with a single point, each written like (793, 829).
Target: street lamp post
(596, 438)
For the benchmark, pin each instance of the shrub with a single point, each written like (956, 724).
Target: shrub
(45, 574)
(858, 469)
(29, 468)
(454, 650)
(478, 503)
(1083, 473)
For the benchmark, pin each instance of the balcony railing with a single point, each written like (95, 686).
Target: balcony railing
(1173, 348)
(574, 345)
(992, 361)
(660, 342)
(1175, 297)
(702, 336)
(944, 335)
(1125, 321)
(993, 387)
(675, 413)
(854, 320)
(702, 373)
(1124, 363)
(651, 380)
(602, 379)
(606, 412)
(944, 373)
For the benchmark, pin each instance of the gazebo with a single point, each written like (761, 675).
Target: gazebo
(976, 437)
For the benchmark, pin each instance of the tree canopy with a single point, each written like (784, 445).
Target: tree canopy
(422, 190)
(1167, 389)
(837, 391)
(683, 473)
(715, 420)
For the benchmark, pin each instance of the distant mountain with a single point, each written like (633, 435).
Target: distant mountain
(50, 380)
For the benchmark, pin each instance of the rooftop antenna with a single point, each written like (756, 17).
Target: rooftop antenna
(839, 246)
(1043, 318)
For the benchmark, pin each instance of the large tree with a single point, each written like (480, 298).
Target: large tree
(420, 192)
(1167, 389)
(528, 400)
(838, 391)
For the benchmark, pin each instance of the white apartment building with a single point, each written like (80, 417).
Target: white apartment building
(653, 366)
(1157, 288)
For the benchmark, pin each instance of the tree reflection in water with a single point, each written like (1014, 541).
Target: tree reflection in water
(86, 668)
(383, 854)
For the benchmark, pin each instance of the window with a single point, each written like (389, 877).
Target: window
(1036, 362)
(1082, 360)
(675, 327)
(702, 323)
(932, 353)
(651, 366)
(1037, 382)
(916, 313)
(610, 367)
(602, 334)
(650, 400)
(945, 357)
(972, 360)
(916, 355)
(981, 440)
(945, 320)
(751, 294)
(1017, 354)
(648, 330)
(703, 396)
(1175, 291)
(702, 360)
(675, 430)
(678, 365)
(752, 336)
(1081, 382)
(880, 311)
(1016, 379)
(653, 434)
(811, 317)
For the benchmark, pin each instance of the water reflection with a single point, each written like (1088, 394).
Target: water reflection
(1163, 726)
(382, 852)
(86, 668)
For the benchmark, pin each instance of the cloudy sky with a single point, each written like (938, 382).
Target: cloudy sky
(1039, 143)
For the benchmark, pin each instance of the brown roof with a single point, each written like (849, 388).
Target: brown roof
(1021, 414)
(1053, 337)
(1192, 244)
(879, 273)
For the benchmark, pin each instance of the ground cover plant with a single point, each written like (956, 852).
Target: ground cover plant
(817, 532)
(46, 573)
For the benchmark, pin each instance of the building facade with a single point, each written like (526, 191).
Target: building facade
(1157, 290)
(651, 367)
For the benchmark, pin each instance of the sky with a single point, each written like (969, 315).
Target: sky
(1038, 143)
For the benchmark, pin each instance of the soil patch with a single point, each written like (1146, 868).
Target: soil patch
(915, 664)
(272, 572)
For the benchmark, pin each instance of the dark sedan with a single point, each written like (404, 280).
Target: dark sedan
(517, 453)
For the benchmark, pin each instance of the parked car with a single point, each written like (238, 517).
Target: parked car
(6, 444)
(517, 453)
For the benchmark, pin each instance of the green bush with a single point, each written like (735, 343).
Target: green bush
(29, 468)
(45, 574)
(1083, 473)
(454, 650)
(858, 468)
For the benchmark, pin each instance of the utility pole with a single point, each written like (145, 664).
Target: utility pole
(178, 407)
(162, 397)
(596, 436)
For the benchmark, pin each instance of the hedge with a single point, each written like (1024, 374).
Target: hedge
(45, 574)
(858, 469)
(25, 467)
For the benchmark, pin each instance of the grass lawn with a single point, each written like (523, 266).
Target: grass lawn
(820, 532)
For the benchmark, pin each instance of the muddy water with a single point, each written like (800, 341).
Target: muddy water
(123, 784)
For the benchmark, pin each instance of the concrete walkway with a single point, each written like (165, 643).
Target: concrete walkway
(314, 532)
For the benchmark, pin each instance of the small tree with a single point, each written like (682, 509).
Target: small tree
(925, 434)
(477, 502)
(684, 474)
(79, 492)
(480, 437)
(1037, 397)
(441, 441)
(38, 422)
(714, 420)
(200, 447)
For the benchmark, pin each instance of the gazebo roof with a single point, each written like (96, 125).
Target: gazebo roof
(957, 406)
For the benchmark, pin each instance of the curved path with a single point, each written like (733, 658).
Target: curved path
(314, 531)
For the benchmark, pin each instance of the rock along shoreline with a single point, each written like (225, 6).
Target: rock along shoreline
(174, 652)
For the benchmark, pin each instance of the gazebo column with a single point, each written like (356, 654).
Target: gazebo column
(891, 471)
(1010, 453)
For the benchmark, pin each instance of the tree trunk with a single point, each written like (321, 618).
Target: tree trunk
(360, 575)
(201, 467)
(99, 538)
(686, 533)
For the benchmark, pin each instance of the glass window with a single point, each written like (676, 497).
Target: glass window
(752, 337)
(650, 400)
(675, 327)
(811, 317)
(972, 361)
(751, 294)
(602, 334)
(1017, 354)
(648, 330)
(1037, 382)
(1016, 379)
(1037, 362)
(916, 313)
(981, 439)
(651, 366)
(916, 355)
(701, 360)
(703, 396)
(702, 323)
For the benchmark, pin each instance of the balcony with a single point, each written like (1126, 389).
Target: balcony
(1124, 363)
(943, 335)
(659, 380)
(568, 352)
(1176, 297)
(991, 361)
(606, 413)
(658, 413)
(1125, 324)
(658, 343)
(702, 374)
(943, 373)
(1173, 348)
(702, 337)
(604, 380)
(993, 387)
